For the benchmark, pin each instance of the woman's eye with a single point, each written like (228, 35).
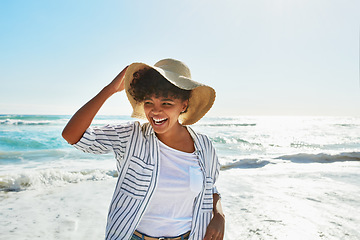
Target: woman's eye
(147, 103)
(168, 104)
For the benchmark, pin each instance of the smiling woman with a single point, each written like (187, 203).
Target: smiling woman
(167, 171)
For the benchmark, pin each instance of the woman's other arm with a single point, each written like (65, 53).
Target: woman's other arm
(82, 119)
(216, 227)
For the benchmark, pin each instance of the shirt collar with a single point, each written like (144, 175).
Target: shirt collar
(195, 137)
(150, 131)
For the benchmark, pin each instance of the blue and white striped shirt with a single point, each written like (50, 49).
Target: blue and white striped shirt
(136, 150)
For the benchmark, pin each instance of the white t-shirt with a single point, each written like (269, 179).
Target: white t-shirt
(169, 213)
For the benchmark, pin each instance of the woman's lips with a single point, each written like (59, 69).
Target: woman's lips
(159, 121)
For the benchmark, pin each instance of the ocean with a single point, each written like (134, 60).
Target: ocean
(281, 177)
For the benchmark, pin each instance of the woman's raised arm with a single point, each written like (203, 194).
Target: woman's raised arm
(82, 119)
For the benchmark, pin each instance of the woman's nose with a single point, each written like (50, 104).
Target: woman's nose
(156, 109)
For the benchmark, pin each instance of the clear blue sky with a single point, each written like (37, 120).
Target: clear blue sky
(263, 57)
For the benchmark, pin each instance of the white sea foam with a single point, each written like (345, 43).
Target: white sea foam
(23, 122)
(38, 179)
(292, 201)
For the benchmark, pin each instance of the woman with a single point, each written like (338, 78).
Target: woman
(165, 188)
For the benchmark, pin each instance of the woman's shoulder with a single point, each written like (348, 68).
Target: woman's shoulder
(123, 125)
(201, 137)
(135, 126)
(116, 128)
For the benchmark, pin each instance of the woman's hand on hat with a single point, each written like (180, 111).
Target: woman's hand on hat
(118, 84)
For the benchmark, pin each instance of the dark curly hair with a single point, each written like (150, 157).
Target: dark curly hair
(148, 82)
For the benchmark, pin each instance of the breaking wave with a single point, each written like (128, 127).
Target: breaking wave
(228, 124)
(294, 158)
(51, 177)
(245, 163)
(321, 157)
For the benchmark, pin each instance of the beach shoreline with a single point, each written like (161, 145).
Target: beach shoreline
(311, 201)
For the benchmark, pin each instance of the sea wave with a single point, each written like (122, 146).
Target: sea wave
(55, 120)
(24, 122)
(234, 140)
(321, 157)
(32, 120)
(347, 125)
(50, 177)
(245, 163)
(14, 143)
(228, 124)
(294, 158)
(45, 155)
(221, 139)
(29, 143)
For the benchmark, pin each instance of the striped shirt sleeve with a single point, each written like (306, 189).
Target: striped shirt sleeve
(100, 140)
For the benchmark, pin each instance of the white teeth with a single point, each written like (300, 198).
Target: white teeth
(160, 120)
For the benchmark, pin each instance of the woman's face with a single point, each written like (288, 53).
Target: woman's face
(163, 113)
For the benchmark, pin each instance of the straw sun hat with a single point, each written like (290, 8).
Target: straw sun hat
(176, 72)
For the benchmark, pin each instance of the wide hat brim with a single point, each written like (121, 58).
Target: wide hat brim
(201, 99)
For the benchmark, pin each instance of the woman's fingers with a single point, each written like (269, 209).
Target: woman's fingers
(118, 84)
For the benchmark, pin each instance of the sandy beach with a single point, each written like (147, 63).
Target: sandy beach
(73, 211)
(314, 201)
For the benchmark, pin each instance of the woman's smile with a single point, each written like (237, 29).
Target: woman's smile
(159, 121)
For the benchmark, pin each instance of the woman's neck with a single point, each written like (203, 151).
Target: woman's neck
(179, 139)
